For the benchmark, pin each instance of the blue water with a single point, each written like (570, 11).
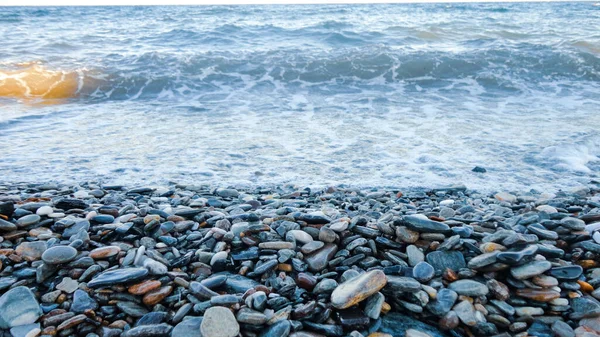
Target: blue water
(371, 95)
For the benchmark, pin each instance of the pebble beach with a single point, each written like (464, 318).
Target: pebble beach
(188, 261)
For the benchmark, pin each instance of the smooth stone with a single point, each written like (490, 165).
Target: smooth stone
(238, 284)
(513, 258)
(155, 330)
(189, 327)
(423, 272)
(562, 329)
(219, 322)
(469, 288)
(276, 245)
(440, 260)
(44, 210)
(27, 330)
(28, 220)
(415, 255)
(567, 273)
(395, 324)
(59, 254)
(31, 251)
(82, 302)
(153, 317)
(301, 236)
(573, 224)
(319, 260)
(249, 316)
(311, 247)
(144, 287)
(443, 302)
(424, 225)
(540, 295)
(18, 306)
(279, 329)
(6, 226)
(373, 305)
(70, 231)
(402, 283)
(530, 269)
(466, 313)
(67, 285)
(155, 267)
(117, 276)
(358, 289)
(104, 252)
(132, 309)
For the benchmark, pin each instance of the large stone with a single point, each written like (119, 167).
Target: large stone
(18, 306)
(31, 251)
(219, 322)
(530, 269)
(358, 289)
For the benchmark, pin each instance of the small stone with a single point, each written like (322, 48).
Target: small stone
(469, 288)
(67, 285)
(154, 297)
(440, 260)
(540, 295)
(318, 260)
(219, 322)
(144, 287)
(530, 269)
(249, 316)
(44, 210)
(423, 272)
(104, 252)
(155, 330)
(373, 305)
(423, 225)
(358, 289)
(479, 169)
(276, 245)
(562, 329)
(189, 327)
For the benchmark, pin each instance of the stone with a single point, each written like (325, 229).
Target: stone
(373, 305)
(67, 285)
(423, 272)
(118, 276)
(562, 329)
(6, 226)
(569, 273)
(156, 330)
(18, 306)
(82, 302)
(104, 252)
(144, 287)
(279, 329)
(423, 225)
(540, 295)
(443, 302)
(27, 330)
(319, 260)
(466, 313)
(189, 327)
(132, 309)
(31, 251)
(219, 322)
(249, 316)
(530, 269)
(415, 255)
(154, 297)
(469, 288)
(276, 245)
(28, 220)
(358, 289)
(440, 260)
(59, 254)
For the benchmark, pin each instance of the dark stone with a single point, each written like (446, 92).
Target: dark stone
(68, 204)
(440, 260)
(396, 324)
(118, 276)
(567, 273)
(479, 169)
(417, 223)
(157, 330)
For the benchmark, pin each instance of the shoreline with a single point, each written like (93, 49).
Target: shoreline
(93, 260)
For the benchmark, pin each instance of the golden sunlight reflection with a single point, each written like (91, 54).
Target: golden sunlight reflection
(37, 82)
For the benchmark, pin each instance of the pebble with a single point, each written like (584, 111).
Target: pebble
(469, 288)
(219, 322)
(59, 254)
(358, 289)
(117, 276)
(18, 306)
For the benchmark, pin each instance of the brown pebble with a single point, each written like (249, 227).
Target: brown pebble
(144, 287)
(104, 252)
(153, 297)
(540, 295)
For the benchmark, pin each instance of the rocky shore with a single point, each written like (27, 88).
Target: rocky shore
(188, 261)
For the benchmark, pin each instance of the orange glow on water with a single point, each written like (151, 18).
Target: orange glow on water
(38, 82)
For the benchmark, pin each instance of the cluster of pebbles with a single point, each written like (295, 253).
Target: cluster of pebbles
(188, 261)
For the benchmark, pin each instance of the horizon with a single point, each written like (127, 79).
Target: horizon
(42, 3)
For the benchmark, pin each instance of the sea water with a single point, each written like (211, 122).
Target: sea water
(406, 95)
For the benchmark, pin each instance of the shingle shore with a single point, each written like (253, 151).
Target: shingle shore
(96, 260)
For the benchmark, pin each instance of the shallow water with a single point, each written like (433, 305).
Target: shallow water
(378, 95)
